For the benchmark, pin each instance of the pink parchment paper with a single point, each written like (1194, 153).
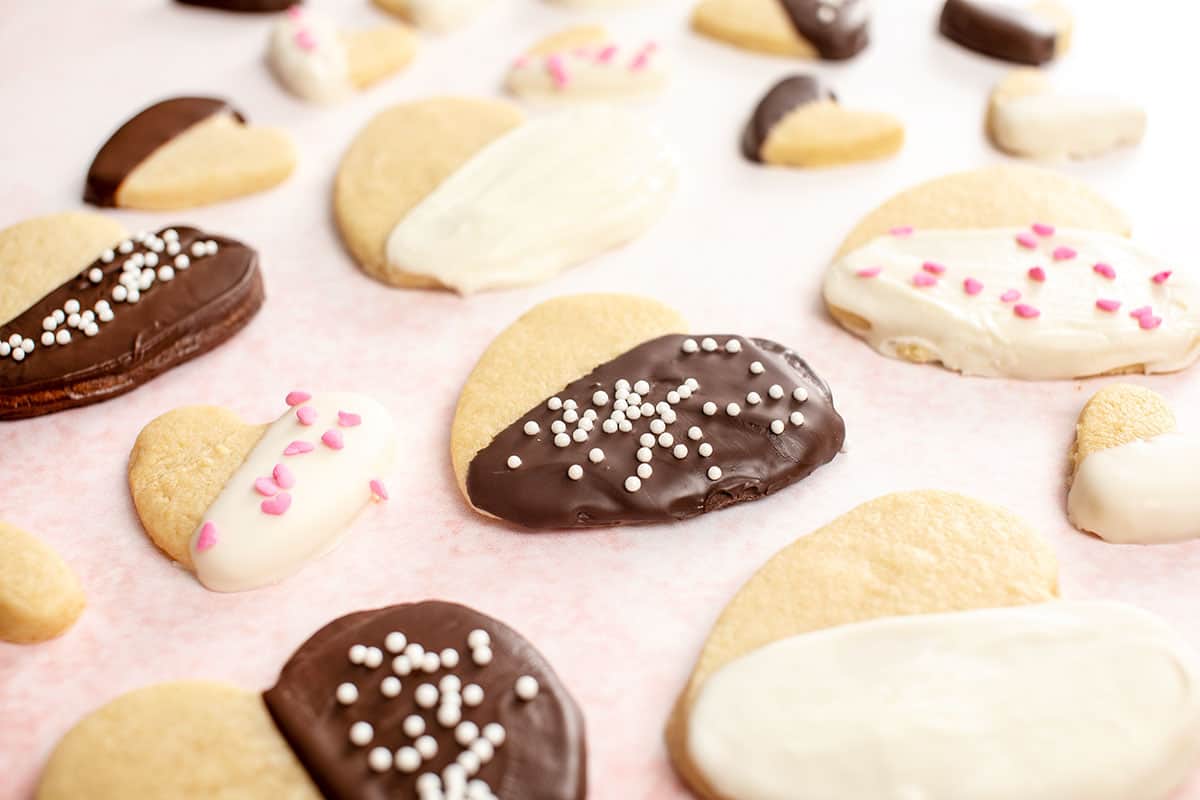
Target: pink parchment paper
(620, 613)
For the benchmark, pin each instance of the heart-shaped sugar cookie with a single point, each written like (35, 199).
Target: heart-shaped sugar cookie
(826, 29)
(587, 64)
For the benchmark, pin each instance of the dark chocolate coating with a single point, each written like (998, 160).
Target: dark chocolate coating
(784, 98)
(999, 31)
(754, 461)
(173, 322)
(844, 36)
(138, 138)
(251, 6)
(544, 754)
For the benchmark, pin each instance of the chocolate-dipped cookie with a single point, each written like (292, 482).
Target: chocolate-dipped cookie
(833, 30)
(184, 152)
(661, 426)
(143, 305)
(406, 700)
(1033, 35)
(248, 6)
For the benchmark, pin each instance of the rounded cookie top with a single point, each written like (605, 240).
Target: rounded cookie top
(40, 597)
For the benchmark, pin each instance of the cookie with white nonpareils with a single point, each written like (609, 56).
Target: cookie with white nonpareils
(824, 29)
(585, 63)
(244, 506)
(1013, 272)
(632, 429)
(92, 314)
(494, 200)
(317, 61)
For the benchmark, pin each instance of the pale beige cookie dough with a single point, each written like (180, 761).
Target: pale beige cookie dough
(760, 25)
(40, 597)
(379, 52)
(398, 159)
(1117, 415)
(62, 245)
(177, 741)
(548, 347)
(919, 552)
(180, 463)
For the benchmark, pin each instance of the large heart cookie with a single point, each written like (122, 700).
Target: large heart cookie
(317, 61)
(614, 417)
(184, 152)
(436, 15)
(92, 314)
(1013, 272)
(244, 506)
(585, 63)
(494, 202)
(1027, 117)
(799, 123)
(426, 699)
(40, 597)
(827, 29)
(1135, 478)
(1030, 33)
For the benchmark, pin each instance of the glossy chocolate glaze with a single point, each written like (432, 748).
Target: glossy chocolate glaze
(784, 98)
(1000, 31)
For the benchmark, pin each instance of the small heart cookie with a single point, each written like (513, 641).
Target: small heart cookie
(494, 201)
(826, 29)
(244, 506)
(615, 419)
(586, 64)
(40, 597)
(1135, 478)
(1027, 117)
(185, 152)
(317, 61)
(1013, 272)
(83, 326)
(1031, 34)
(799, 123)
(436, 15)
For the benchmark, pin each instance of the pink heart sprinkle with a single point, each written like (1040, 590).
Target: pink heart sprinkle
(1108, 305)
(521, 61)
(1064, 253)
(277, 505)
(1141, 312)
(606, 55)
(1149, 322)
(972, 286)
(305, 40)
(1027, 241)
(1037, 274)
(1162, 277)
(333, 439)
(901, 230)
(207, 539)
(378, 489)
(295, 12)
(297, 398)
(924, 280)
(283, 476)
(869, 272)
(307, 415)
(1105, 270)
(1011, 296)
(1042, 229)
(1026, 312)
(298, 448)
(266, 487)
(558, 71)
(933, 268)
(348, 420)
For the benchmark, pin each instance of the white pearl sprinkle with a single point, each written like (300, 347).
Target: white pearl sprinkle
(107, 256)
(449, 658)
(642, 388)
(197, 249)
(708, 344)
(91, 329)
(570, 405)
(402, 665)
(684, 391)
(346, 693)
(757, 368)
(413, 725)
(415, 653)
(633, 413)
(133, 296)
(373, 658)
(427, 746)
(680, 451)
(644, 471)
(430, 663)
(472, 694)
(466, 732)
(733, 409)
(714, 473)
(777, 426)
(647, 409)
(429, 784)
(59, 316)
(138, 260)
(526, 687)
(595, 455)
(753, 398)
(361, 733)
(358, 653)
(211, 247)
(5, 349)
(494, 732)
(586, 424)
(182, 261)
(173, 248)
(733, 346)
(395, 642)
(478, 638)
(580, 435)
(796, 418)
(665, 440)
(554, 403)
(450, 684)
(570, 416)
(591, 414)
(390, 687)
(574, 472)
(558, 426)
(408, 759)
(633, 483)
(482, 656)
(562, 440)
(47, 338)
(426, 695)
(669, 416)
(646, 440)
(380, 759)
(776, 391)
(644, 454)
(600, 398)
(709, 408)
(18, 354)
(71, 306)
(469, 762)
(673, 397)
(484, 749)
(692, 384)
(151, 260)
(106, 314)
(95, 275)
(73, 319)
(695, 434)
(690, 346)
(27, 346)
(800, 395)
(705, 449)
(609, 426)
(126, 247)
(514, 461)
(448, 715)
(49, 323)
(532, 428)
(454, 774)
(657, 426)
(625, 426)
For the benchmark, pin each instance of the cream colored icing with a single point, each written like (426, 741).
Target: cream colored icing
(308, 56)
(1143, 492)
(253, 548)
(445, 15)
(1059, 701)
(981, 335)
(603, 71)
(1051, 125)
(543, 197)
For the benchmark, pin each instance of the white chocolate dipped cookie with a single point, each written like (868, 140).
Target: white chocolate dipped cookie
(1135, 478)
(244, 506)
(493, 201)
(1012, 272)
(438, 16)
(585, 63)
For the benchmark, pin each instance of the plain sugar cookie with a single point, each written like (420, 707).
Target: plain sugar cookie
(185, 152)
(317, 61)
(613, 423)
(40, 597)
(1027, 117)
(84, 326)
(1025, 33)
(910, 553)
(244, 506)
(799, 123)
(436, 15)
(826, 29)
(1135, 478)
(586, 63)
(474, 213)
(946, 273)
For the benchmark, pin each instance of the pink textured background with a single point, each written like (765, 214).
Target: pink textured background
(620, 613)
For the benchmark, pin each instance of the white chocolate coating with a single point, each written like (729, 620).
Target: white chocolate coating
(444, 15)
(1058, 701)
(607, 71)
(308, 57)
(1051, 125)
